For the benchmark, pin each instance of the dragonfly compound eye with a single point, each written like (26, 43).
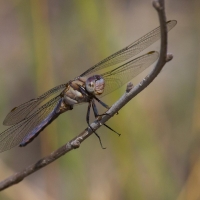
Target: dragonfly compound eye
(95, 85)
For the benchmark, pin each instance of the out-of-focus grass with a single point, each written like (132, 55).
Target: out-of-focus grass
(46, 43)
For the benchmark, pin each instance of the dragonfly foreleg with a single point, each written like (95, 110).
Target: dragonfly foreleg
(88, 122)
(102, 103)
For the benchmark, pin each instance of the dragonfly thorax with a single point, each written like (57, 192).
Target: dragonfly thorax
(95, 85)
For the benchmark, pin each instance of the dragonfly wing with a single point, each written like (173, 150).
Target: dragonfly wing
(131, 50)
(124, 73)
(14, 135)
(21, 112)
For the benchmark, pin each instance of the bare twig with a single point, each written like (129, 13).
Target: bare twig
(130, 93)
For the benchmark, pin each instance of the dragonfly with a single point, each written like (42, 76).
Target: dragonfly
(29, 119)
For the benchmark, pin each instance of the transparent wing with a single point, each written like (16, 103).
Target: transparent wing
(19, 113)
(124, 73)
(14, 135)
(131, 50)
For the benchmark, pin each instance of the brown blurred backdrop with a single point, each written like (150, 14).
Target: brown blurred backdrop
(46, 43)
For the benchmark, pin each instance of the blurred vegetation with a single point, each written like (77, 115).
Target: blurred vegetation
(46, 43)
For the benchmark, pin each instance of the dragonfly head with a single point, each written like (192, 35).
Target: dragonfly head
(95, 85)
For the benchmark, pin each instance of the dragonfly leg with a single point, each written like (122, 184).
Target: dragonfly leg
(96, 115)
(97, 136)
(112, 129)
(88, 113)
(102, 103)
(88, 122)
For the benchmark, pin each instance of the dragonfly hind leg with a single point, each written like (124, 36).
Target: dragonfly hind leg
(96, 115)
(88, 119)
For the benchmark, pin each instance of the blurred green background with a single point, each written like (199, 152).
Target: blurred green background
(46, 43)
